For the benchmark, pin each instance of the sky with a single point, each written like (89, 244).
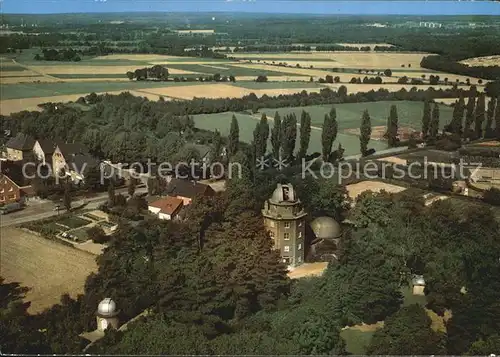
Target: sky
(366, 7)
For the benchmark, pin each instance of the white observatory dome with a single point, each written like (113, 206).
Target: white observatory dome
(107, 307)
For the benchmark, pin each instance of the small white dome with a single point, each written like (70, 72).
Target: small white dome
(107, 307)
(418, 280)
(284, 193)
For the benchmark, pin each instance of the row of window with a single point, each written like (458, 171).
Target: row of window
(10, 189)
(286, 236)
(11, 197)
(286, 248)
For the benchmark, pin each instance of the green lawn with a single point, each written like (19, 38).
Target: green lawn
(410, 299)
(349, 114)
(227, 69)
(73, 222)
(81, 234)
(222, 122)
(277, 85)
(356, 341)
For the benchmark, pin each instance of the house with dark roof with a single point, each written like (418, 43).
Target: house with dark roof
(20, 147)
(187, 190)
(43, 150)
(166, 208)
(73, 159)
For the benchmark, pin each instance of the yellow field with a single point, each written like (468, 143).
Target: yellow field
(16, 80)
(356, 59)
(135, 57)
(50, 269)
(483, 61)
(356, 189)
(17, 74)
(220, 91)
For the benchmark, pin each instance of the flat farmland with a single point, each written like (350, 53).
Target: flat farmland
(247, 122)
(48, 268)
(232, 69)
(349, 114)
(483, 61)
(343, 59)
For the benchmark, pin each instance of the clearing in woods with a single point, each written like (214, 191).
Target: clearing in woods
(48, 268)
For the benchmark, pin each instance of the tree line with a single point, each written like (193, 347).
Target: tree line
(444, 64)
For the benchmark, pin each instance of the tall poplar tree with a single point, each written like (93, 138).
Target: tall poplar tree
(365, 132)
(456, 125)
(426, 118)
(257, 143)
(392, 126)
(469, 114)
(305, 133)
(289, 136)
(329, 133)
(434, 126)
(234, 137)
(497, 119)
(276, 136)
(264, 133)
(490, 116)
(479, 116)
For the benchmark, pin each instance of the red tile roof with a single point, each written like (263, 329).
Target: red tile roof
(168, 205)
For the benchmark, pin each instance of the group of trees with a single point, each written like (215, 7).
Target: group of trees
(475, 120)
(59, 55)
(157, 72)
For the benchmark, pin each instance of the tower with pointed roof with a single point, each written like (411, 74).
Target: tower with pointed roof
(284, 218)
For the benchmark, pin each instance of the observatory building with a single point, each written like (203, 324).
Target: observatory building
(284, 218)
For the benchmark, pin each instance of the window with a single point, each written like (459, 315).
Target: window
(299, 246)
(11, 189)
(287, 224)
(3, 190)
(299, 259)
(300, 224)
(271, 223)
(286, 236)
(271, 234)
(286, 248)
(300, 235)
(2, 198)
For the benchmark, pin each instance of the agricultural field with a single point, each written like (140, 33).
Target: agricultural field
(247, 122)
(483, 61)
(349, 114)
(341, 59)
(50, 269)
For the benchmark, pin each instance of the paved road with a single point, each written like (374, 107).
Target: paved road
(38, 211)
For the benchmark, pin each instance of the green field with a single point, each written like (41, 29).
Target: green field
(229, 70)
(31, 90)
(96, 75)
(277, 85)
(9, 66)
(246, 122)
(349, 114)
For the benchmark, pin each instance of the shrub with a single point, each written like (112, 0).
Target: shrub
(97, 235)
(492, 196)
